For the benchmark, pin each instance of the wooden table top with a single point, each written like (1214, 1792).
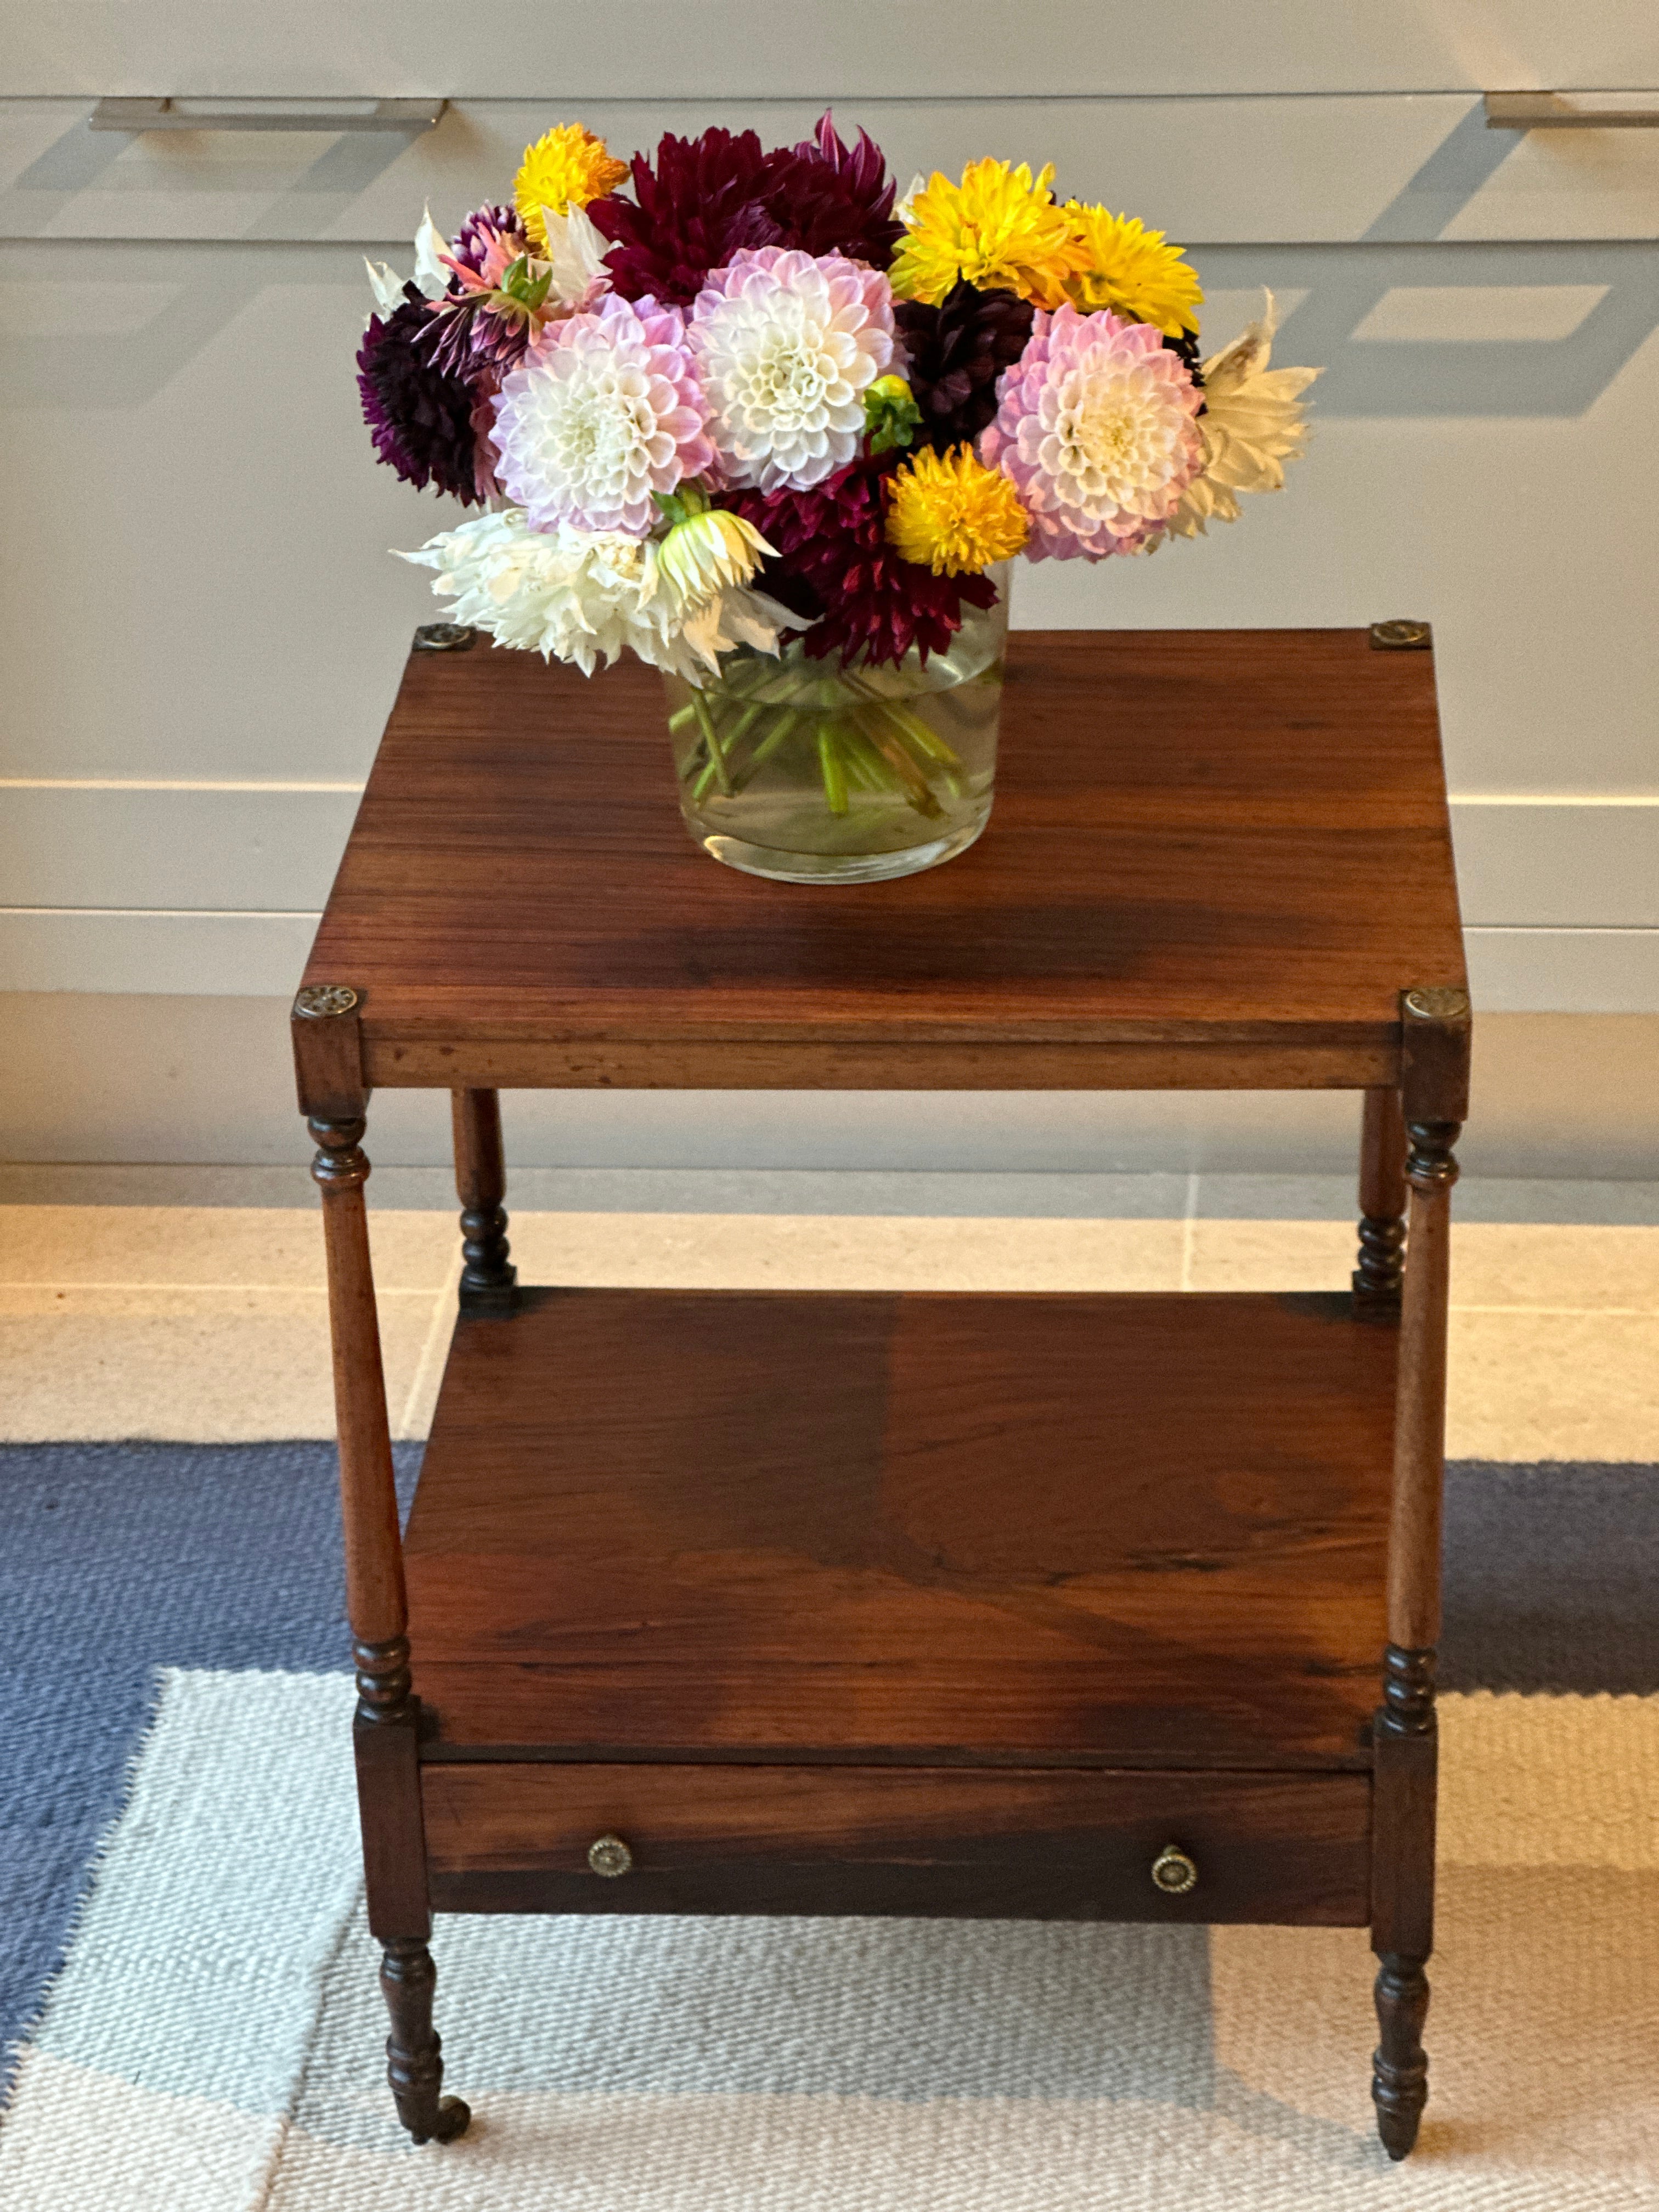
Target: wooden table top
(1216, 860)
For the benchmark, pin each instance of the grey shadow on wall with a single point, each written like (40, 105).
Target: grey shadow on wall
(1404, 249)
(1447, 375)
(306, 205)
(199, 288)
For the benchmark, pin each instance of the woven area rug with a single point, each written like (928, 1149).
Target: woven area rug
(193, 1992)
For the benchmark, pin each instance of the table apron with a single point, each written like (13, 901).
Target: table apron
(420, 1063)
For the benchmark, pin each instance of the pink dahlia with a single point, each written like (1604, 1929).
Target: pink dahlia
(787, 345)
(1095, 425)
(605, 413)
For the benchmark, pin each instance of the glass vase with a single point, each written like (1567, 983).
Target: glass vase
(825, 772)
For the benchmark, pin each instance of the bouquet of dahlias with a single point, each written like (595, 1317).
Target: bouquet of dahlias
(752, 411)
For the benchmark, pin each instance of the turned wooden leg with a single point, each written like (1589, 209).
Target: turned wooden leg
(385, 1731)
(1404, 1733)
(1400, 2070)
(414, 2064)
(1382, 1269)
(488, 1279)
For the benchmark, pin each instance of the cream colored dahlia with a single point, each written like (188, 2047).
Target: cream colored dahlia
(787, 345)
(1253, 423)
(603, 413)
(588, 596)
(1095, 427)
(569, 594)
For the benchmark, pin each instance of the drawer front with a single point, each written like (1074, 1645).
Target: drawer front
(1016, 1844)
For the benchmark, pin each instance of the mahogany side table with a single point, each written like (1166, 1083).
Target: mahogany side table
(1093, 1607)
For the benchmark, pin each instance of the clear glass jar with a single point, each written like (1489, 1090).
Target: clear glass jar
(813, 772)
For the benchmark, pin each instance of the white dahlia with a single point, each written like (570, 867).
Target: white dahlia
(603, 413)
(587, 596)
(1095, 427)
(569, 594)
(787, 345)
(1253, 423)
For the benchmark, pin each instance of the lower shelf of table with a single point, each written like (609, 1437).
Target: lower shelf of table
(1057, 1845)
(1025, 1530)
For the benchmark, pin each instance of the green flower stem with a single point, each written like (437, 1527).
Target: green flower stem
(925, 739)
(788, 718)
(832, 769)
(916, 787)
(862, 768)
(744, 723)
(679, 718)
(711, 738)
(859, 747)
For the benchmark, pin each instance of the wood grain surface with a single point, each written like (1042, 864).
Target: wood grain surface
(951, 1529)
(1224, 851)
(1055, 1844)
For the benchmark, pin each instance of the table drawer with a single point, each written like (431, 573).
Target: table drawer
(1016, 1843)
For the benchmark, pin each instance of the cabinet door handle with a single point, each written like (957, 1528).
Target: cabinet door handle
(1572, 110)
(139, 115)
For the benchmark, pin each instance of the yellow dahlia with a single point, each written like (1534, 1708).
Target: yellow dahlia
(997, 228)
(1130, 270)
(565, 170)
(951, 514)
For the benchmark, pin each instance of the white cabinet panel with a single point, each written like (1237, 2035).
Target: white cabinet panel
(1543, 863)
(257, 846)
(558, 49)
(195, 530)
(1565, 971)
(1508, 490)
(1387, 167)
(218, 956)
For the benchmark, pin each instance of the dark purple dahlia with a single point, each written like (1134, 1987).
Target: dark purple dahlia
(419, 414)
(1187, 346)
(957, 352)
(835, 565)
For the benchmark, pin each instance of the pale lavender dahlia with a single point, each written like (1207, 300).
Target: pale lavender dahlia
(604, 412)
(787, 345)
(1095, 425)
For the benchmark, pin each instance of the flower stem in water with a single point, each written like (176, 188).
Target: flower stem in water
(832, 768)
(711, 738)
(916, 787)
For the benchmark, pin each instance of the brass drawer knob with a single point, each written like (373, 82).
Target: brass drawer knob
(1173, 1872)
(610, 1857)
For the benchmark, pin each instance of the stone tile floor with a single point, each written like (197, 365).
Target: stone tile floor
(189, 1303)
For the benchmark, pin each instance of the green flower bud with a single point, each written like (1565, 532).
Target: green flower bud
(891, 416)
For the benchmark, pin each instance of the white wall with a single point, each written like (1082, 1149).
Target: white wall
(201, 629)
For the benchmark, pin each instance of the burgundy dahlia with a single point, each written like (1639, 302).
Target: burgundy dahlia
(835, 564)
(837, 198)
(419, 415)
(708, 198)
(705, 200)
(957, 350)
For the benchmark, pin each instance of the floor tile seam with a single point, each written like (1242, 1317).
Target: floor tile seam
(319, 1291)
(408, 1427)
